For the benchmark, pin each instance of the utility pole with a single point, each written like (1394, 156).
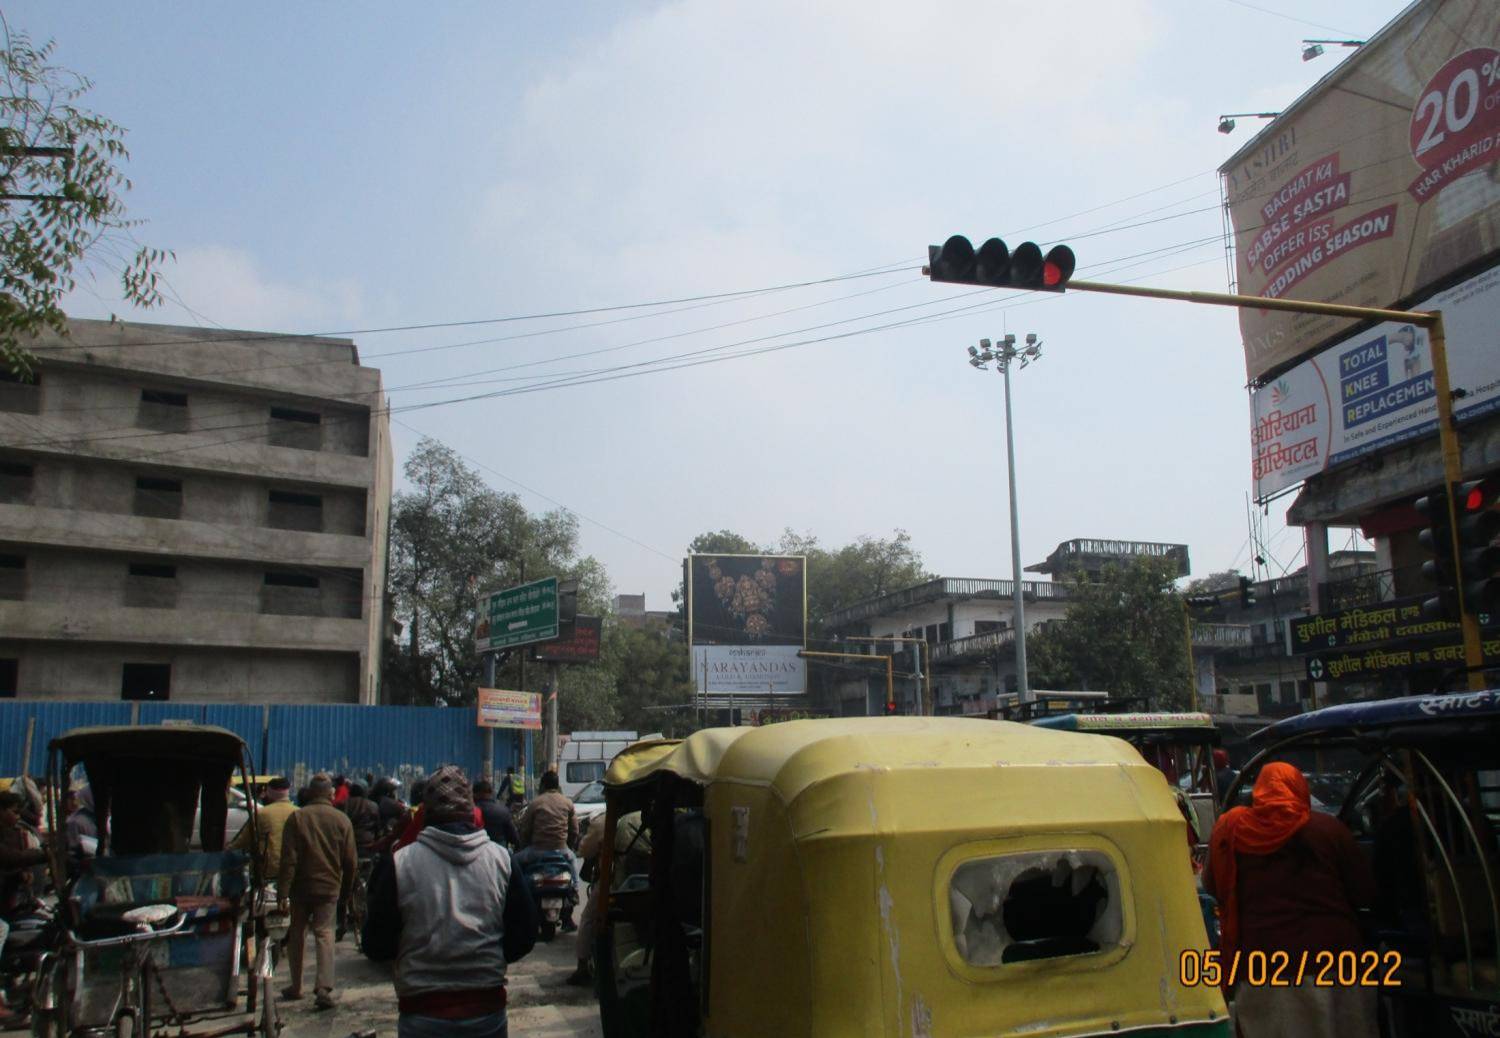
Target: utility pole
(1004, 355)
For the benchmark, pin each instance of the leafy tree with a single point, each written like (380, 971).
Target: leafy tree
(1223, 580)
(61, 188)
(587, 698)
(866, 568)
(651, 671)
(1123, 635)
(452, 538)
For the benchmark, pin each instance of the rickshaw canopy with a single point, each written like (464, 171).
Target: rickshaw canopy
(1133, 724)
(1468, 715)
(862, 864)
(148, 782)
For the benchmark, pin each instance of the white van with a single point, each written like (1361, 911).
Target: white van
(586, 755)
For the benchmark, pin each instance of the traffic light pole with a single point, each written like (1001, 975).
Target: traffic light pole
(890, 670)
(1432, 320)
(925, 652)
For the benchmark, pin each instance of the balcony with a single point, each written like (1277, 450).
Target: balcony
(1222, 636)
(976, 646)
(941, 589)
(1366, 589)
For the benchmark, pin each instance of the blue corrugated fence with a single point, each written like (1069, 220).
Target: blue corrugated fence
(402, 742)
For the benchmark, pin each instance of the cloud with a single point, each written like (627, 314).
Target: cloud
(221, 285)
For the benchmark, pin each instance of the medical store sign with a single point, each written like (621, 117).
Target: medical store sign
(1376, 389)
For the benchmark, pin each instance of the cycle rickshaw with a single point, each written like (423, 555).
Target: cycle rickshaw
(149, 932)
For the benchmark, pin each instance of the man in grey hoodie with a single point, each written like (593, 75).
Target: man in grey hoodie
(451, 912)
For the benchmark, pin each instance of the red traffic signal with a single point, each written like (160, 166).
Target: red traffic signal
(1479, 557)
(891, 709)
(957, 262)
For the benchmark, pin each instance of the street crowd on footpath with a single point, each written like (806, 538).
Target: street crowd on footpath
(436, 885)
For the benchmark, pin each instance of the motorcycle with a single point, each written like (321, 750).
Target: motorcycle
(550, 877)
(28, 942)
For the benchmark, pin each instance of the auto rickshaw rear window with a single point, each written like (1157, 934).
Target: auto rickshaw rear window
(1036, 905)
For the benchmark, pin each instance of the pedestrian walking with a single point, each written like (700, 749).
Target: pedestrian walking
(317, 872)
(1289, 880)
(451, 911)
(270, 824)
(17, 858)
(364, 816)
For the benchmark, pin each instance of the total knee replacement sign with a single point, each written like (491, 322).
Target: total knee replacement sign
(1376, 388)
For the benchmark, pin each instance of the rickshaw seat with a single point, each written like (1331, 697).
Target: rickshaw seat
(107, 919)
(204, 885)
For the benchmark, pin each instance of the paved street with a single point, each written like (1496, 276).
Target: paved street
(541, 1005)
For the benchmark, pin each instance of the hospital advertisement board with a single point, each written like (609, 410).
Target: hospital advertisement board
(1376, 389)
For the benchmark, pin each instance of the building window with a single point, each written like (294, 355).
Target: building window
(20, 394)
(10, 673)
(290, 511)
(16, 481)
(986, 626)
(163, 411)
(13, 577)
(300, 429)
(142, 682)
(158, 498)
(289, 593)
(149, 585)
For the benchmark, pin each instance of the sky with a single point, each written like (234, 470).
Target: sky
(336, 167)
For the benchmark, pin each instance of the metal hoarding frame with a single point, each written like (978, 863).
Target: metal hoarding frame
(768, 652)
(1367, 189)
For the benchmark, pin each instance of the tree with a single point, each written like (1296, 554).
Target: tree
(453, 538)
(1222, 580)
(651, 679)
(61, 188)
(1123, 635)
(587, 700)
(866, 568)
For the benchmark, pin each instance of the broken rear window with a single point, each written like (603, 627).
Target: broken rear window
(1037, 905)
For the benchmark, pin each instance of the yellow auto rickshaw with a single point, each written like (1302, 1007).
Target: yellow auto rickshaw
(895, 876)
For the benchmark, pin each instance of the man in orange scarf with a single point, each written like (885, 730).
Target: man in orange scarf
(1289, 879)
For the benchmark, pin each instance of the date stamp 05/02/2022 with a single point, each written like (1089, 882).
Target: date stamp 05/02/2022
(1284, 969)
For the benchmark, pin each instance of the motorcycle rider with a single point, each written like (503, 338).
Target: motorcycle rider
(549, 824)
(16, 857)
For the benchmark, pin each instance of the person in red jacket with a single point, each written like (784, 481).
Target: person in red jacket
(1289, 879)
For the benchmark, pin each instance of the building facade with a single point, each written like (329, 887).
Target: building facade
(193, 514)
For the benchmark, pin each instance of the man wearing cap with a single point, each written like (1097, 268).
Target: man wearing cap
(451, 912)
(270, 822)
(317, 872)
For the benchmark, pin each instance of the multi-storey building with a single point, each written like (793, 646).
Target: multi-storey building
(193, 514)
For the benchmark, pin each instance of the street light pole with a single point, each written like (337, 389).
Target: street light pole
(1004, 355)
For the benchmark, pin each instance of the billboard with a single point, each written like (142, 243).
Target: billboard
(1375, 389)
(1377, 184)
(503, 708)
(747, 621)
(579, 642)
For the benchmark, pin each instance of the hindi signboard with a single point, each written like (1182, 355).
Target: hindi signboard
(1375, 389)
(579, 642)
(1355, 664)
(1399, 620)
(1374, 186)
(502, 708)
(747, 623)
(517, 616)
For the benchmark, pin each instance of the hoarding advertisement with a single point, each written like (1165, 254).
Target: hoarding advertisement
(579, 643)
(1378, 186)
(503, 708)
(747, 621)
(1375, 389)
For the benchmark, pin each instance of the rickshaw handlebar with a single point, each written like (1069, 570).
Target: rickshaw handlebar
(130, 938)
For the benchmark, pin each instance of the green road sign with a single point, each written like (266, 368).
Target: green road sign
(517, 616)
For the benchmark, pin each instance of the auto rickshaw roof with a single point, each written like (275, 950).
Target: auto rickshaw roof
(794, 755)
(1436, 715)
(199, 742)
(1130, 723)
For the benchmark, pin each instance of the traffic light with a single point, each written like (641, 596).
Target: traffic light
(1479, 558)
(567, 602)
(1247, 593)
(957, 262)
(890, 708)
(1436, 537)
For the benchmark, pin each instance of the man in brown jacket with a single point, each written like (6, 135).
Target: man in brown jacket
(317, 872)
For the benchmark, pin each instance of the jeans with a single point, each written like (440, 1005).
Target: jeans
(320, 915)
(4, 933)
(491, 1025)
